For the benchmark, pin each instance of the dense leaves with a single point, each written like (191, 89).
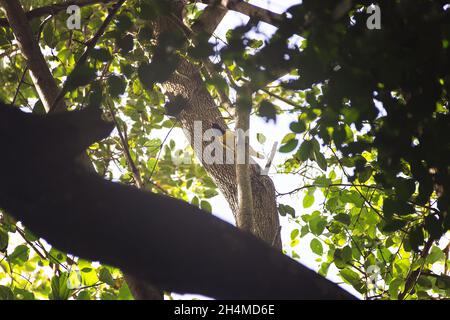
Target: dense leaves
(377, 100)
(369, 126)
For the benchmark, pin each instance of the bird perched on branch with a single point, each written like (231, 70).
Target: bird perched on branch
(228, 140)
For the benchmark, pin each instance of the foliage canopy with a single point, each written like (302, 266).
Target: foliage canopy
(370, 136)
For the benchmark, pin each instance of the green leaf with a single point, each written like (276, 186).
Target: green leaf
(49, 35)
(60, 291)
(322, 181)
(81, 76)
(433, 226)
(394, 225)
(323, 271)
(57, 256)
(395, 286)
(220, 84)
(351, 277)
(404, 188)
(255, 44)
(101, 54)
(308, 200)
(74, 280)
(436, 254)
(304, 231)
(294, 234)
(320, 159)
(317, 225)
(297, 127)
(195, 201)
(316, 247)
(342, 256)
(209, 193)
(30, 236)
(84, 295)
(22, 294)
(6, 293)
(125, 293)
(288, 137)
(261, 138)
(148, 10)
(425, 282)
(116, 85)
(4, 240)
(205, 205)
(106, 277)
(365, 174)
(125, 44)
(123, 22)
(399, 207)
(20, 255)
(347, 253)
(416, 238)
(306, 150)
(285, 209)
(268, 111)
(343, 218)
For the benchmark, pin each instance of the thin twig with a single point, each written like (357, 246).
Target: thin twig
(330, 185)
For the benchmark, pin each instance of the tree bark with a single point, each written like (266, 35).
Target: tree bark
(187, 82)
(252, 11)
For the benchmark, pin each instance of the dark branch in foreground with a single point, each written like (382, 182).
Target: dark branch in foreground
(165, 241)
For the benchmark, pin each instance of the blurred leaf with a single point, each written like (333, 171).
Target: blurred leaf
(20, 255)
(308, 200)
(316, 247)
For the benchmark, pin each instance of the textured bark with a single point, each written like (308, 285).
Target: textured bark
(211, 17)
(186, 81)
(252, 11)
(245, 215)
(48, 91)
(187, 250)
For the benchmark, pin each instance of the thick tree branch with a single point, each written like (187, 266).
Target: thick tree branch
(116, 221)
(245, 214)
(255, 12)
(210, 18)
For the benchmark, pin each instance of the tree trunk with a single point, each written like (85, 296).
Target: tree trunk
(186, 81)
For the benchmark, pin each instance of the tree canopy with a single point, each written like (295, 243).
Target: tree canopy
(369, 134)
